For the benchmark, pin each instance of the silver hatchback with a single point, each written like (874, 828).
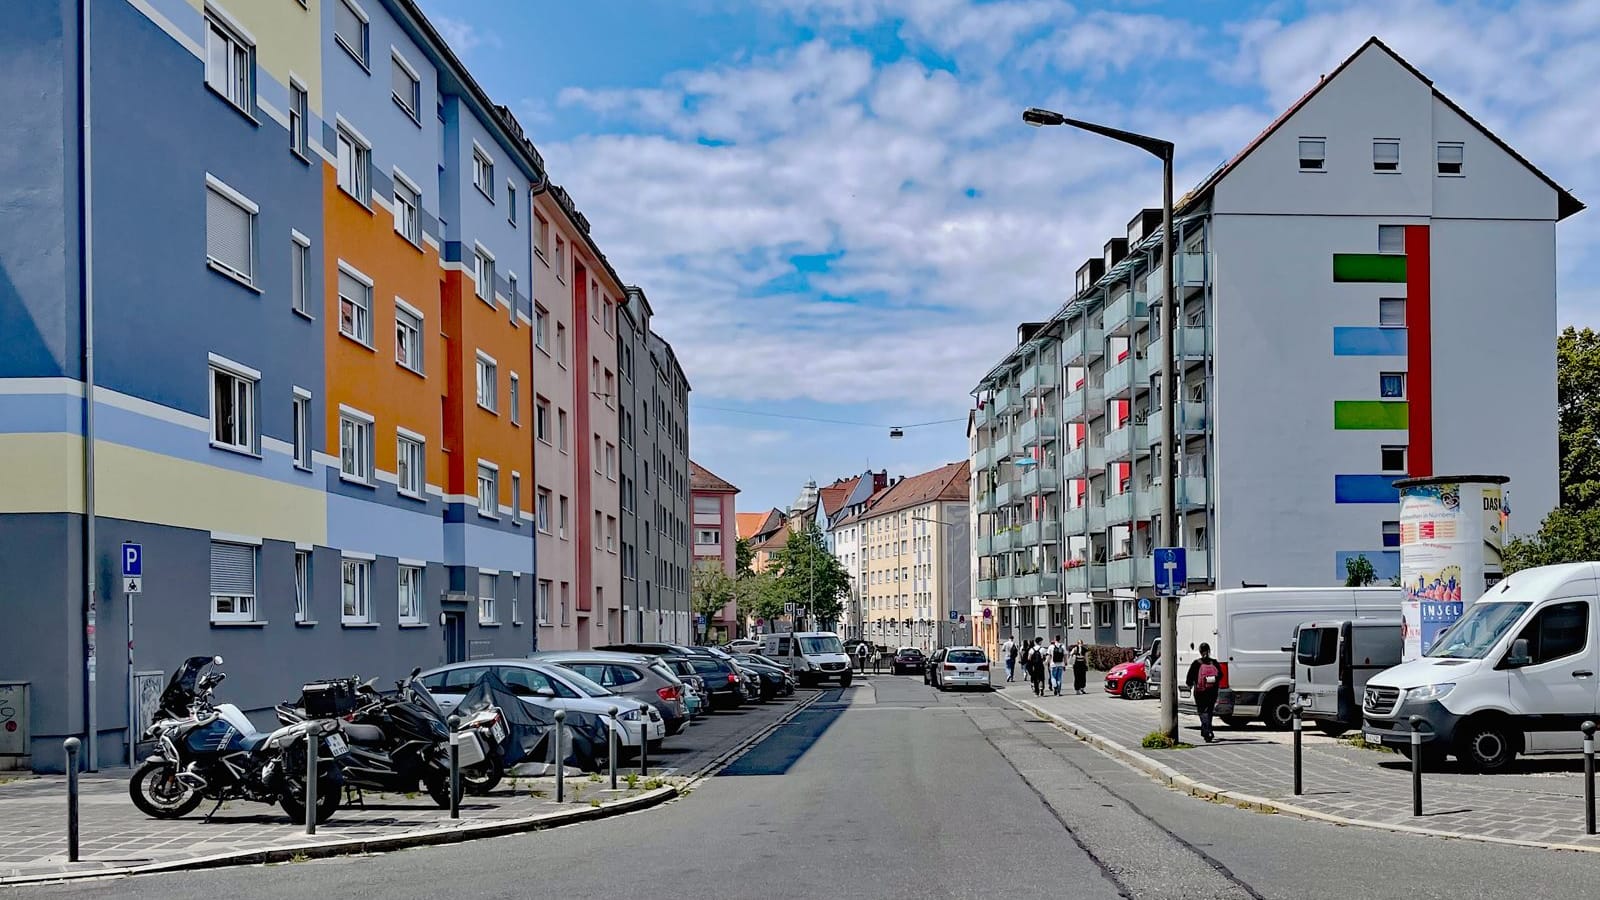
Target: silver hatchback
(644, 678)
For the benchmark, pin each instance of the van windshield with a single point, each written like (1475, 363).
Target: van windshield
(815, 646)
(1475, 633)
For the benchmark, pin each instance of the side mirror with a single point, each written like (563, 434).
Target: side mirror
(416, 671)
(544, 692)
(216, 660)
(1518, 657)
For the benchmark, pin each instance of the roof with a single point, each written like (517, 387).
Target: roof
(951, 481)
(834, 496)
(703, 479)
(748, 524)
(777, 541)
(1566, 204)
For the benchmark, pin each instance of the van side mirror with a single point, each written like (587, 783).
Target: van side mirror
(1518, 657)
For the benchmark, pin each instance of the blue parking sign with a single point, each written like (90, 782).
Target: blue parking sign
(132, 561)
(1171, 575)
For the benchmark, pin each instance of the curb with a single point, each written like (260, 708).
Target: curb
(1183, 784)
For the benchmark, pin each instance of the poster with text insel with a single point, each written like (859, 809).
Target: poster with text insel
(1449, 555)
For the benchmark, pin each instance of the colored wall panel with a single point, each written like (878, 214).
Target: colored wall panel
(1370, 415)
(53, 464)
(1419, 348)
(141, 486)
(1365, 489)
(1369, 341)
(1385, 563)
(1379, 267)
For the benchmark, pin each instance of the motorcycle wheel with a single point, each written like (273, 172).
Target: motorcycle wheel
(157, 793)
(438, 786)
(292, 798)
(480, 779)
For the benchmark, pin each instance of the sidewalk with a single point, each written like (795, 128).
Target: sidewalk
(115, 838)
(1540, 802)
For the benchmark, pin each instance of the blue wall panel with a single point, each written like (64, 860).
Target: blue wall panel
(1385, 563)
(1369, 341)
(1365, 489)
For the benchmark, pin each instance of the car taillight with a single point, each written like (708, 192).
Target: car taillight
(733, 678)
(1222, 680)
(670, 692)
(983, 667)
(949, 668)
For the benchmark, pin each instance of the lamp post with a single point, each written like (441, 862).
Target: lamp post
(1163, 150)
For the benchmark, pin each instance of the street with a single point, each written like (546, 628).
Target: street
(891, 789)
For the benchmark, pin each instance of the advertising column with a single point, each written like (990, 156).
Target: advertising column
(1451, 529)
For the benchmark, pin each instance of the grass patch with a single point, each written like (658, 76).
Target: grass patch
(633, 780)
(594, 802)
(1360, 742)
(595, 777)
(299, 858)
(653, 783)
(1157, 740)
(538, 794)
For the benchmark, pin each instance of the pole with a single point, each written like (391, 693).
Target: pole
(1297, 786)
(455, 766)
(1169, 469)
(561, 756)
(71, 745)
(611, 748)
(311, 778)
(1588, 778)
(644, 744)
(1416, 765)
(133, 702)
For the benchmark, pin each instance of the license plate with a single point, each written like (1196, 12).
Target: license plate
(1373, 738)
(498, 731)
(337, 745)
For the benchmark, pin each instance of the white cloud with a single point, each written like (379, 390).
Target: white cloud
(463, 37)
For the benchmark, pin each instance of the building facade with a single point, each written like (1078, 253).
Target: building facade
(1335, 285)
(715, 542)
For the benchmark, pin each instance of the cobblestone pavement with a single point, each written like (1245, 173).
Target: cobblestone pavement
(1540, 800)
(113, 834)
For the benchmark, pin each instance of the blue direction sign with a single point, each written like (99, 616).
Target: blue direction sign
(1172, 573)
(1144, 604)
(955, 614)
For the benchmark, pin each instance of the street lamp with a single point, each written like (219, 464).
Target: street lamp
(1163, 150)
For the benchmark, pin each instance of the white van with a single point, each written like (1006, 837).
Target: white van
(1250, 630)
(1515, 674)
(1334, 660)
(814, 656)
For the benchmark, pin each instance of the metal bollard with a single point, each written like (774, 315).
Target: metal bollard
(611, 748)
(71, 745)
(561, 755)
(644, 744)
(311, 777)
(455, 766)
(1416, 765)
(1298, 789)
(1588, 777)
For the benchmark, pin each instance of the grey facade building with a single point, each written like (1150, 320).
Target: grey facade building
(654, 411)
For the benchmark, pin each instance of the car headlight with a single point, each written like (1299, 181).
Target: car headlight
(631, 715)
(1430, 691)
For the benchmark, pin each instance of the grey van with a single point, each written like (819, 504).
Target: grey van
(1331, 664)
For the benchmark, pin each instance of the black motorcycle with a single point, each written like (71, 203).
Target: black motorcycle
(212, 752)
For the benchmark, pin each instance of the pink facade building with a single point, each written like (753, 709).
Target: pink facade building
(715, 536)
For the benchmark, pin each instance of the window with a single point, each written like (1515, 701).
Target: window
(516, 599)
(302, 430)
(407, 200)
(1104, 618)
(486, 611)
(410, 595)
(708, 536)
(355, 587)
(541, 328)
(233, 409)
(541, 235)
(542, 599)
(1392, 385)
(566, 602)
(561, 344)
(599, 460)
(1393, 458)
(355, 447)
(230, 232)
(516, 498)
(1392, 312)
(483, 275)
(1385, 156)
(511, 203)
(1559, 630)
(1391, 239)
(511, 295)
(1313, 154)
(561, 430)
(541, 419)
(300, 273)
(355, 305)
(541, 510)
(1451, 155)
(407, 336)
(483, 173)
(299, 110)
(350, 29)
(233, 582)
(561, 259)
(302, 586)
(407, 88)
(488, 382)
(515, 399)
(1129, 616)
(409, 466)
(353, 157)
(561, 519)
(608, 319)
(611, 461)
(611, 534)
(611, 388)
(230, 65)
(1391, 534)
(488, 490)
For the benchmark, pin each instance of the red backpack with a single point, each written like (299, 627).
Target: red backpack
(1209, 677)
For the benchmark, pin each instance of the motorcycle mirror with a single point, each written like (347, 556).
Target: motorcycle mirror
(416, 671)
(216, 660)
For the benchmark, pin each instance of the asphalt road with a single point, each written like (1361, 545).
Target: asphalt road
(891, 790)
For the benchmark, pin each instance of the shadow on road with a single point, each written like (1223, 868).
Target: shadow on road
(776, 754)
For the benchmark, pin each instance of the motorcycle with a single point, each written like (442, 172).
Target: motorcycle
(212, 752)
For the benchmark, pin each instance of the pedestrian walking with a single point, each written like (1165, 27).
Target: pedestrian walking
(1036, 662)
(861, 657)
(1009, 651)
(1058, 664)
(1080, 666)
(1204, 680)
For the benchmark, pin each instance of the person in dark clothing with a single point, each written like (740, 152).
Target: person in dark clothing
(1080, 667)
(1036, 665)
(1204, 681)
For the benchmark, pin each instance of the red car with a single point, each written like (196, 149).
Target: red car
(1130, 680)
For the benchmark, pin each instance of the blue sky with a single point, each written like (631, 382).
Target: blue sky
(838, 215)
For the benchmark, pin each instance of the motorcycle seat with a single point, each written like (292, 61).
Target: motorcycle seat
(363, 734)
(254, 742)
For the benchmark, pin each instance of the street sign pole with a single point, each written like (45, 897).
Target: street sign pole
(132, 586)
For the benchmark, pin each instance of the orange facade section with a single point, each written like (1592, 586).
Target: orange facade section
(473, 431)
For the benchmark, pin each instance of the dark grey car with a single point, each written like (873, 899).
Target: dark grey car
(644, 678)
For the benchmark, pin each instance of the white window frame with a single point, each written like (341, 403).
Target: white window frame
(516, 498)
(245, 383)
(483, 171)
(227, 194)
(1319, 161)
(541, 509)
(407, 209)
(511, 202)
(611, 461)
(541, 236)
(514, 398)
(411, 106)
(488, 606)
(488, 379)
(561, 430)
(302, 586)
(299, 119)
(408, 336)
(488, 489)
(409, 595)
(355, 576)
(541, 419)
(243, 605)
(1405, 457)
(562, 512)
(1392, 302)
(1392, 230)
(1129, 613)
(1460, 161)
(362, 54)
(411, 476)
(300, 288)
(359, 433)
(359, 187)
(237, 82)
(541, 329)
(1403, 386)
(543, 590)
(1382, 166)
(483, 273)
(301, 429)
(360, 329)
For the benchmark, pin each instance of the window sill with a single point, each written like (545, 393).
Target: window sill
(364, 204)
(303, 314)
(257, 623)
(484, 515)
(247, 114)
(1450, 174)
(297, 154)
(231, 275)
(417, 372)
(415, 245)
(355, 340)
(411, 495)
(304, 623)
(354, 56)
(299, 467)
(230, 448)
(405, 626)
(359, 482)
(486, 195)
(410, 113)
(488, 409)
(483, 624)
(367, 625)
(540, 253)
(543, 624)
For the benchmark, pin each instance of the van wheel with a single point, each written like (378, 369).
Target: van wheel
(1331, 729)
(1277, 712)
(1133, 690)
(1485, 745)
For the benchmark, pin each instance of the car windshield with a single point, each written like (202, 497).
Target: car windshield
(576, 679)
(910, 651)
(814, 646)
(1475, 634)
(966, 656)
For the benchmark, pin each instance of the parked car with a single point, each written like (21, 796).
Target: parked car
(815, 656)
(768, 661)
(909, 659)
(1133, 680)
(957, 667)
(649, 648)
(644, 678)
(1333, 661)
(742, 645)
(549, 686)
(749, 683)
(699, 699)
(774, 681)
(724, 689)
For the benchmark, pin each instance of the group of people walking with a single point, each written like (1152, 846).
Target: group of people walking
(1039, 660)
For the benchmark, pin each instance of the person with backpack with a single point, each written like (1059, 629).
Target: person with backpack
(1204, 681)
(1080, 667)
(1058, 664)
(1009, 651)
(861, 657)
(1036, 661)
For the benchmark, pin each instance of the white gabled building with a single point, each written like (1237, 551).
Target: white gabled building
(1365, 292)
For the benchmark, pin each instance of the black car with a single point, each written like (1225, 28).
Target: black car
(909, 659)
(774, 681)
(721, 679)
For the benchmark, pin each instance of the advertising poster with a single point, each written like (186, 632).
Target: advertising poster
(1450, 545)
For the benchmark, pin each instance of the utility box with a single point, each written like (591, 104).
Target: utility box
(15, 735)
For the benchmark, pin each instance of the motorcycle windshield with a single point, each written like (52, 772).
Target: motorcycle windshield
(421, 697)
(179, 695)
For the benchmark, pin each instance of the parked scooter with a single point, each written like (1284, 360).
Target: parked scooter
(212, 752)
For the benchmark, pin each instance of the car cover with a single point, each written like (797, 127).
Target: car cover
(531, 728)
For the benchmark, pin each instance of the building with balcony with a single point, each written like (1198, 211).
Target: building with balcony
(1336, 284)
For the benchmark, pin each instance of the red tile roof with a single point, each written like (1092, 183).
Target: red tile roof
(703, 479)
(748, 524)
(834, 495)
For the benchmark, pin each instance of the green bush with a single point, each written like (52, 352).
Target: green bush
(1103, 658)
(1157, 740)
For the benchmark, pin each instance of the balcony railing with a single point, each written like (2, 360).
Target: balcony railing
(1192, 343)
(1005, 540)
(1130, 571)
(1198, 565)
(1086, 402)
(1039, 429)
(1040, 478)
(1003, 588)
(1036, 584)
(1127, 376)
(1048, 531)
(1128, 506)
(1097, 519)
(987, 589)
(1084, 345)
(1191, 491)
(983, 458)
(1087, 458)
(1008, 399)
(984, 415)
(986, 545)
(1040, 377)
(1084, 578)
(1007, 492)
(984, 503)
(1192, 269)
(1075, 521)
(1127, 442)
(1191, 420)
(1121, 313)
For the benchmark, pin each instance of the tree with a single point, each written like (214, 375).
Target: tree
(710, 590)
(759, 596)
(1564, 536)
(1578, 403)
(744, 555)
(1358, 572)
(810, 577)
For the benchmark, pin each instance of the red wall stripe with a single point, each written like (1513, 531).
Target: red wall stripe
(1419, 353)
(584, 453)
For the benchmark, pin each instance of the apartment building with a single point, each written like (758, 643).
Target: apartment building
(715, 540)
(1340, 284)
(268, 317)
(909, 544)
(837, 502)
